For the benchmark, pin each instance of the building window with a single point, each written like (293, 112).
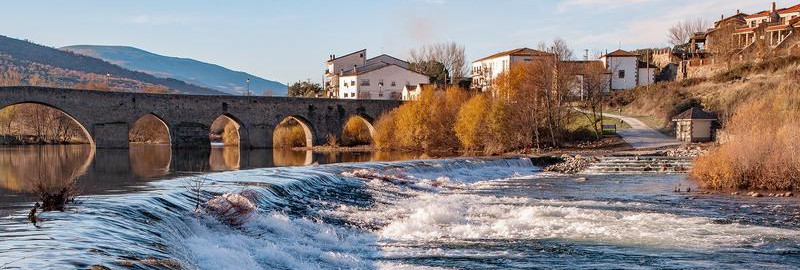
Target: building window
(353, 83)
(365, 82)
(394, 84)
(622, 74)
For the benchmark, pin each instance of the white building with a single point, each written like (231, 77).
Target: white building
(377, 81)
(626, 71)
(412, 92)
(486, 69)
(353, 76)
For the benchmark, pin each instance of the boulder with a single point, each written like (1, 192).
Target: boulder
(232, 208)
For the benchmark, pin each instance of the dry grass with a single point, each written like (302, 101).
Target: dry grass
(289, 134)
(764, 146)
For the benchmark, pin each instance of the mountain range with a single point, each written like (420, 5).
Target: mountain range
(26, 63)
(188, 70)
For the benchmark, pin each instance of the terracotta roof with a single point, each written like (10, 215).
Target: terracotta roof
(758, 15)
(795, 8)
(517, 52)
(620, 53)
(695, 113)
(777, 27)
(739, 16)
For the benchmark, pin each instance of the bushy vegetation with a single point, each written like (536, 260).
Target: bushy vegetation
(763, 148)
(289, 134)
(426, 124)
(526, 109)
(149, 130)
(356, 132)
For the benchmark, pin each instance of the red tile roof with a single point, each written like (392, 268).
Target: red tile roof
(517, 52)
(620, 53)
(795, 8)
(777, 27)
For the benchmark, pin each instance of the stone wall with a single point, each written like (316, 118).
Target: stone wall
(108, 116)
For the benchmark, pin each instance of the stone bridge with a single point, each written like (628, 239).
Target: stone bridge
(108, 116)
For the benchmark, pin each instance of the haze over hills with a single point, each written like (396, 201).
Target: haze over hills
(27, 63)
(185, 69)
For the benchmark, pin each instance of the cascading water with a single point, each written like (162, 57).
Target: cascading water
(466, 213)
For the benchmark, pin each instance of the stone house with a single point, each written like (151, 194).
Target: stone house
(695, 125)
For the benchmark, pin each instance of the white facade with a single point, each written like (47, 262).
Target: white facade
(647, 76)
(385, 82)
(624, 70)
(485, 70)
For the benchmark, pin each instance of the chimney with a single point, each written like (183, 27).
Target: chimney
(737, 12)
(354, 68)
(722, 16)
(773, 6)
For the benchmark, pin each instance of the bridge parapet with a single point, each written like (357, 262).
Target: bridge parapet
(108, 116)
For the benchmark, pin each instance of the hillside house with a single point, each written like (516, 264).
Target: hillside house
(486, 69)
(627, 71)
(353, 76)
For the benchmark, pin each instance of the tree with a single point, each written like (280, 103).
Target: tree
(305, 89)
(595, 83)
(470, 125)
(681, 32)
(433, 69)
(450, 55)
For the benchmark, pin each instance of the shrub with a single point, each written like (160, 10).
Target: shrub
(289, 134)
(764, 145)
(470, 126)
(356, 132)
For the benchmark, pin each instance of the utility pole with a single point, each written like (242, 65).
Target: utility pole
(248, 87)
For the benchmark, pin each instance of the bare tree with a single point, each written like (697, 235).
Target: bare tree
(559, 47)
(449, 55)
(681, 32)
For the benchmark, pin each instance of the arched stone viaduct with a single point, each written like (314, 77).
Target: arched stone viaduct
(108, 116)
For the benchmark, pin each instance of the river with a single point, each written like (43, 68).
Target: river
(377, 212)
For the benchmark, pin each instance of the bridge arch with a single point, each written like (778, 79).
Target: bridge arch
(354, 129)
(303, 123)
(231, 129)
(38, 113)
(150, 129)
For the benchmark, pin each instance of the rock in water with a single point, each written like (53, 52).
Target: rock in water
(233, 208)
(756, 194)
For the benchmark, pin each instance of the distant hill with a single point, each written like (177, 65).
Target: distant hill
(57, 68)
(188, 70)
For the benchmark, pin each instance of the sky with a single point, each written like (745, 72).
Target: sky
(289, 41)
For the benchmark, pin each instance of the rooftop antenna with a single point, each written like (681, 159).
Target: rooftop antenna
(620, 45)
(586, 54)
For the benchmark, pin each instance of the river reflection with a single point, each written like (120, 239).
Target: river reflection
(105, 171)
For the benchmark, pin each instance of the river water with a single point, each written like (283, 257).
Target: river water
(136, 212)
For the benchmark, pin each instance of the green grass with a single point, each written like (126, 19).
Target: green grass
(579, 121)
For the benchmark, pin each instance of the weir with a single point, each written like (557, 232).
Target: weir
(107, 116)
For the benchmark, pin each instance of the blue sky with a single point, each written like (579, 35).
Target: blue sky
(289, 40)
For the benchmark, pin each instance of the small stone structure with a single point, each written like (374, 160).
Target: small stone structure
(107, 117)
(694, 125)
